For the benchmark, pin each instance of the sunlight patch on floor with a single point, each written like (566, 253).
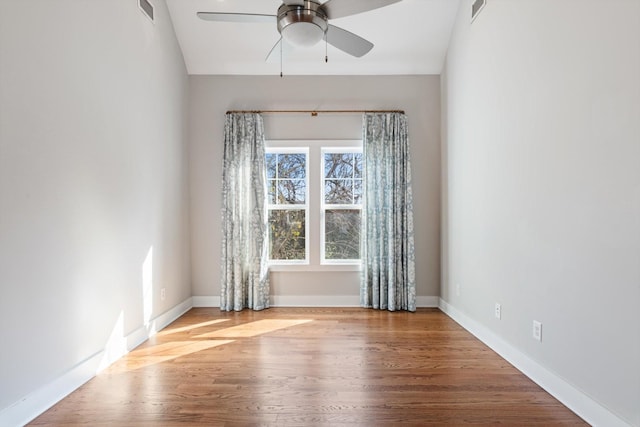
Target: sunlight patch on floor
(148, 356)
(168, 331)
(252, 329)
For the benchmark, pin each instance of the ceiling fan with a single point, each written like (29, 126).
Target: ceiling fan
(304, 23)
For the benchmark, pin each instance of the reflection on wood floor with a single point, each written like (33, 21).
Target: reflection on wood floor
(310, 366)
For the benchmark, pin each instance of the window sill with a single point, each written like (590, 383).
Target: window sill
(317, 268)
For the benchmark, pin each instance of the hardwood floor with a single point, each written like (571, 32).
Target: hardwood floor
(306, 366)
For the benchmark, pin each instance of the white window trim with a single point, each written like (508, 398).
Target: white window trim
(302, 207)
(314, 192)
(324, 206)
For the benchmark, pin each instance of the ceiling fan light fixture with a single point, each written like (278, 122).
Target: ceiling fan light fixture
(306, 22)
(302, 34)
(302, 25)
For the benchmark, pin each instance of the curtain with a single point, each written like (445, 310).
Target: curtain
(388, 255)
(245, 275)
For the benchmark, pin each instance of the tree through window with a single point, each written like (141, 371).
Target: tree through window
(342, 204)
(314, 202)
(287, 205)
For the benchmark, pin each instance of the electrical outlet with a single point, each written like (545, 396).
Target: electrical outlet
(457, 289)
(163, 294)
(537, 330)
(498, 311)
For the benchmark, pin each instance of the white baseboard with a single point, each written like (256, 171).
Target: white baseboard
(37, 402)
(427, 302)
(206, 301)
(311, 301)
(583, 405)
(315, 301)
(290, 301)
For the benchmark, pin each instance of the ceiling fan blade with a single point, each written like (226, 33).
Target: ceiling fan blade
(236, 17)
(340, 8)
(347, 41)
(274, 54)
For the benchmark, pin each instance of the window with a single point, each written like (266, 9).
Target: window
(341, 204)
(314, 204)
(287, 205)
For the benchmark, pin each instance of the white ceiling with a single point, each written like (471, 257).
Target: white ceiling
(410, 37)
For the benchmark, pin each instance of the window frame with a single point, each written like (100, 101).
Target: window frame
(288, 207)
(313, 223)
(324, 207)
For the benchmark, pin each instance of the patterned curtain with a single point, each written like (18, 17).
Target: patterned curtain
(245, 275)
(388, 256)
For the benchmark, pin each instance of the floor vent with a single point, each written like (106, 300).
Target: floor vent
(476, 8)
(146, 8)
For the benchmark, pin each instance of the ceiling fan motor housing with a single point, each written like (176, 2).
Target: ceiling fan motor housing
(302, 25)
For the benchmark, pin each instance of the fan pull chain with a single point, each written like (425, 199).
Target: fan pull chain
(326, 49)
(281, 41)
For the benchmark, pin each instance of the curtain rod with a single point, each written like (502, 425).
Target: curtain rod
(314, 112)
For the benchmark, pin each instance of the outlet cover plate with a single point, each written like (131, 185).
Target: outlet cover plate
(537, 330)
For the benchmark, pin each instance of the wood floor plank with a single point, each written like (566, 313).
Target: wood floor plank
(310, 366)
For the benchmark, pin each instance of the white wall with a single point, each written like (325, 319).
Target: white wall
(211, 96)
(541, 150)
(93, 182)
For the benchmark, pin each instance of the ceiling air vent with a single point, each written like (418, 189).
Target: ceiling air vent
(146, 8)
(475, 8)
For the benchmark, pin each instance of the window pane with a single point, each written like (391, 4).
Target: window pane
(292, 165)
(338, 191)
(342, 234)
(287, 235)
(291, 192)
(357, 165)
(357, 191)
(272, 161)
(271, 191)
(338, 165)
